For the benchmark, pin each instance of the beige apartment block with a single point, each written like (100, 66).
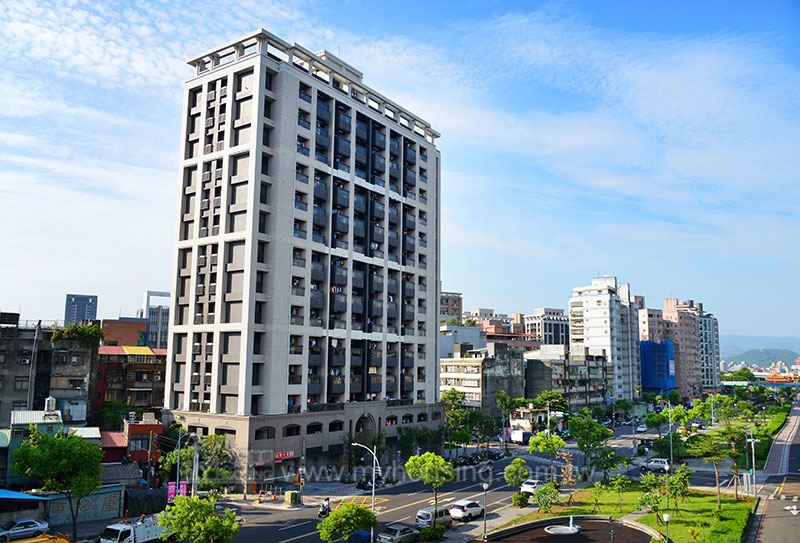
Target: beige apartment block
(450, 305)
(306, 270)
(604, 316)
(580, 375)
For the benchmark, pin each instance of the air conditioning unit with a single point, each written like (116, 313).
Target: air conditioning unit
(157, 377)
(223, 92)
(25, 361)
(209, 122)
(212, 94)
(206, 176)
(221, 117)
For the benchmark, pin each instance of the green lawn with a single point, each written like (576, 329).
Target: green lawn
(765, 433)
(698, 507)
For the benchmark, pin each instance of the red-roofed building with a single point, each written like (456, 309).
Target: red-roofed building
(114, 445)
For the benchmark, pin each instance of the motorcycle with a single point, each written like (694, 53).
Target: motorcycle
(364, 484)
(323, 511)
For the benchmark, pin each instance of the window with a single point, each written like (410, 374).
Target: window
(139, 443)
(267, 432)
(20, 383)
(19, 405)
(2, 358)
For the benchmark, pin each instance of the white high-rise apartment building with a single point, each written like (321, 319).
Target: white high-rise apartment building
(306, 269)
(604, 315)
(550, 325)
(709, 351)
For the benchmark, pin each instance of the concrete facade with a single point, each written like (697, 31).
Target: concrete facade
(32, 368)
(605, 316)
(306, 271)
(549, 325)
(480, 373)
(579, 375)
(124, 331)
(80, 308)
(451, 334)
(451, 305)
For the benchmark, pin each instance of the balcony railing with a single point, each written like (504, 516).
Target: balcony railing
(304, 123)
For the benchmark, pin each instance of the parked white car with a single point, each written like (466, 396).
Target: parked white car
(466, 510)
(397, 533)
(656, 464)
(531, 486)
(641, 428)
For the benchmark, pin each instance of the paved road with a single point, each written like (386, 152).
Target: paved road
(781, 520)
(393, 504)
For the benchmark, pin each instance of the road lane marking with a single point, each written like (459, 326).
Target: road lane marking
(783, 483)
(294, 526)
(417, 492)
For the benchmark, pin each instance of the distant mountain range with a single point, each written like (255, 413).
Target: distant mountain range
(733, 345)
(764, 357)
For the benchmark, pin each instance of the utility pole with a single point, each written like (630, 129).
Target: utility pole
(548, 418)
(149, 460)
(195, 469)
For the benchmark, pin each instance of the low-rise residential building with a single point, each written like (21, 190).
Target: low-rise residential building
(132, 375)
(450, 305)
(124, 331)
(481, 373)
(581, 375)
(33, 367)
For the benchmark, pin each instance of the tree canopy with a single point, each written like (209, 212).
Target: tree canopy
(196, 519)
(433, 470)
(549, 444)
(346, 520)
(63, 463)
(516, 473)
(743, 374)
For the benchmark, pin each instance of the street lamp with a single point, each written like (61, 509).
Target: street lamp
(178, 477)
(666, 524)
(612, 536)
(375, 465)
(669, 471)
(485, 488)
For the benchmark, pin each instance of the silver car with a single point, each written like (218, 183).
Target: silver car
(397, 533)
(22, 528)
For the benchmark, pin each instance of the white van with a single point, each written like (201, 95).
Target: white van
(425, 518)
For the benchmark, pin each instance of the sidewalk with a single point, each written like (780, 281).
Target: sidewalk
(778, 459)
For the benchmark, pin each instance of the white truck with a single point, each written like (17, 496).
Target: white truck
(519, 435)
(142, 530)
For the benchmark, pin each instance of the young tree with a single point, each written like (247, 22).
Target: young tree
(674, 397)
(452, 401)
(556, 400)
(598, 412)
(346, 520)
(169, 462)
(516, 473)
(196, 519)
(598, 489)
(214, 478)
(567, 474)
(655, 421)
(547, 496)
(713, 451)
(547, 444)
(606, 460)
(214, 450)
(624, 405)
(678, 485)
(652, 500)
(620, 484)
(63, 463)
(591, 437)
(433, 470)
(734, 437)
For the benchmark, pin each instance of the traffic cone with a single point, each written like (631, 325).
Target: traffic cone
(244, 494)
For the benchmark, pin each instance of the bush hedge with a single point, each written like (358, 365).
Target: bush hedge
(434, 533)
(520, 499)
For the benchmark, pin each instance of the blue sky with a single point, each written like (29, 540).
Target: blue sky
(654, 141)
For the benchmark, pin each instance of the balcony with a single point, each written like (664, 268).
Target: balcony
(343, 122)
(335, 384)
(341, 146)
(320, 189)
(341, 224)
(304, 123)
(376, 233)
(315, 356)
(376, 282)
(409, 222)
(302, 206)
(317, 271)
(378, 210)
(356, 384)
(339, 303)
(314, 385)
(410, 178)
(394, 147)
(378, 139)
(337, 357)
(300, 233)
(375, 384)
(394, 215)
(359, 228)
(323, 112)
(322, 157)
(295, 379)
(407, 384)
(356, 357)
(375, 358)
(297, 320)
(322, 139)
(304, 96)
(375, 308)
(299, 262)
(295, 349)
(320, 218)
(378, 164)
(392, 287)
(358, 279)
(408, 331)
(408, 360)
(303, 150)
(391, 358)
(339, 275)
(391, 310)
(298, 291)
(408, 244)
(394, 170)
(317, 299)
(325, 407)
(315, 321)
(361, 156)
(301, 177)
(394, 238)
(358, 305)
(410, 156)
(341, 198)
(360, 203)
(361, 130)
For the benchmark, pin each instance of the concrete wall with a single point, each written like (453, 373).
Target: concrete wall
(104, 503)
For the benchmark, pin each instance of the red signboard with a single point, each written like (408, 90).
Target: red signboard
(283, 454)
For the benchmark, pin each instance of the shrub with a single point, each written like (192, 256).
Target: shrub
(640, 451)
(520, 499)
(434, 533)
(390, 481)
